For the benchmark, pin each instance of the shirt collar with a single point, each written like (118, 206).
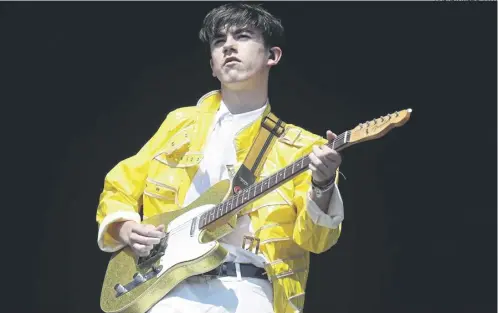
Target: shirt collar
(224, 113)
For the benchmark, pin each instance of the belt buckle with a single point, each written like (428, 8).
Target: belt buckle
(251, 239)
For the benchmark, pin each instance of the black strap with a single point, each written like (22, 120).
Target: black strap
(271, 128)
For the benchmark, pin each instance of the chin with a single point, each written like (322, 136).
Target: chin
(235, 83)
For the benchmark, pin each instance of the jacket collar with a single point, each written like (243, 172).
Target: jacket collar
(210, 103)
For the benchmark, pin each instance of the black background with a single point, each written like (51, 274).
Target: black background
(85, 84)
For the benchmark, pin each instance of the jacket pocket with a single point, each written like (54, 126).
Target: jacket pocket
(160, 191)
(159, 198)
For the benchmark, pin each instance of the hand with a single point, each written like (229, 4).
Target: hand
(140, 237)
(324, 162)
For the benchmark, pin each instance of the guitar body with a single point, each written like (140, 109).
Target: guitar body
(188, 252)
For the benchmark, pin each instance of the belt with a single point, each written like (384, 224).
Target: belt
(229, 269)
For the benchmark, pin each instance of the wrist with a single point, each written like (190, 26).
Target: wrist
(323, 184)
(319, 189)
(119, 230)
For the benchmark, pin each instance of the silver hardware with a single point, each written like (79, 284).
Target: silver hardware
(138, 278)
(120, 289)
(251, 239)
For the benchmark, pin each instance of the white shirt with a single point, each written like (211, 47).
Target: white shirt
(218, 154)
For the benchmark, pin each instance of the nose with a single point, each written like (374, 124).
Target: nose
(230, 45)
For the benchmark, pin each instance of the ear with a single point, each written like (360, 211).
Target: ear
(274, 55)
(211, 65)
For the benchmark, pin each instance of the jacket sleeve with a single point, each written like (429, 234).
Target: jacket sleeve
(315, 230)
(120, 199)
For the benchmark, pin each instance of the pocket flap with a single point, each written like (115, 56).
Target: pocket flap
(159, 190)
(184, 160)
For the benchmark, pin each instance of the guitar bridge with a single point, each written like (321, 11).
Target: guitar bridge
(155, 254)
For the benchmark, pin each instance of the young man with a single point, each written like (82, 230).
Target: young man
(303, 215)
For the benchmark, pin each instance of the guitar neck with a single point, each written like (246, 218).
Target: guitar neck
(238, 201)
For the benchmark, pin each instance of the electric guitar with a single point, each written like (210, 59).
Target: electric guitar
(134, 284)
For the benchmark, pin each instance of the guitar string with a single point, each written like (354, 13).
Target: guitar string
(250, 189)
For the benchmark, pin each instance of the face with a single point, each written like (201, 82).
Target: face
(239, 57)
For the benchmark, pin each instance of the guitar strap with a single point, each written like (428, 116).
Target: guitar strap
(271, 128)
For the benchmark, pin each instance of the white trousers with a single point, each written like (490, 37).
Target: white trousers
(218, 295)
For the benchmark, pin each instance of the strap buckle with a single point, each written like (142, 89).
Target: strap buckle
(251, 239)
(273, 126)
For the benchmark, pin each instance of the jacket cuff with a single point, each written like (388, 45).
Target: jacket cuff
(105, 241)
(334, 215)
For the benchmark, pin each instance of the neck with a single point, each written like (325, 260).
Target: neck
(244, 100)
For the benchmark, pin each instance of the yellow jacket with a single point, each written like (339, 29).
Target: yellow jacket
(283, 220)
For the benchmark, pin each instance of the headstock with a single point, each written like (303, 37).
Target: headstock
(379, 127)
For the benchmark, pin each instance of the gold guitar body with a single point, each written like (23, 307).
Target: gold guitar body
(188, 253)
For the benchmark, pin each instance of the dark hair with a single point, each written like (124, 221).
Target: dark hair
(242, 15)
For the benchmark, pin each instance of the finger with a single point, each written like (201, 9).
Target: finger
(134, 237)
(318, 163)
(317, 166)
(161, 228)
(142, 250)
(331, 135)
(147, 231)
(317, 175)
(142, 253)
(332, 155)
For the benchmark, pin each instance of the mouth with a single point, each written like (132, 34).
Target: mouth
(230, 59)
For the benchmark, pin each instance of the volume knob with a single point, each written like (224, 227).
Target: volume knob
(120, 289)
(139, 278)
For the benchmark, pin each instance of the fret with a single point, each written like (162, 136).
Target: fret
(203, 221)
(255, 188)
(282, 176)
(219, 211)
(268, 181)
(212, 216)
(244, 196)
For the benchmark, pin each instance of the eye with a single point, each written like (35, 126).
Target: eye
(217, 42)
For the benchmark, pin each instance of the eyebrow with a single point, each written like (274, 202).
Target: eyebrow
(221, 34)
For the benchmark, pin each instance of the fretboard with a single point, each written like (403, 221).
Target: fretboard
(238, 201)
